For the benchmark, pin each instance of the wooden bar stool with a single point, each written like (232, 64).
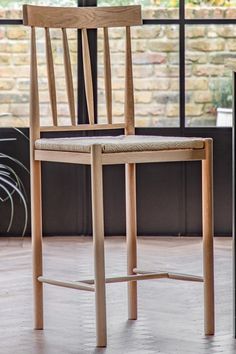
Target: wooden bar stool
(96, 152)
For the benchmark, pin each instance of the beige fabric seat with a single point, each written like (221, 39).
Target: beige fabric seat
(122, 143)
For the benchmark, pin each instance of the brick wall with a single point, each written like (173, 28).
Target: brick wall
(156, 69)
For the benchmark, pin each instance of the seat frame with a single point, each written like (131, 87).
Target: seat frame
(114, 16)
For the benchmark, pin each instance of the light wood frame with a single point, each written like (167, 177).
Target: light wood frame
(84, 18)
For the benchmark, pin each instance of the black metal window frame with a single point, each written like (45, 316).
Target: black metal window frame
(182, 22)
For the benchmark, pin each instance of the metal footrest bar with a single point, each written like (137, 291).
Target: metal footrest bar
(171, 275)
(67, 284)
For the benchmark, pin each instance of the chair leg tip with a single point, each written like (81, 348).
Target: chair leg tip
(210, 332)
(39, 326)
(101, 341)
(133, 313)
(102, 344)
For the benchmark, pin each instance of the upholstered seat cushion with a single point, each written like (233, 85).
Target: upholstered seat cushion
(120, 143)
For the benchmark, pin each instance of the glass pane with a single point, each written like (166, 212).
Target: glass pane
(210, 9)
(14, 75)
(155, 71)
(151, 9)
(208, 82)
(17, 5)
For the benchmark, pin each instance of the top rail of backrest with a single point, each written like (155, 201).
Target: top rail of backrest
(90, 17)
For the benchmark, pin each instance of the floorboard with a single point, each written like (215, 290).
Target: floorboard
(170, 312)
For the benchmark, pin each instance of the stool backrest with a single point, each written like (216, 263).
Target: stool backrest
(80, 18)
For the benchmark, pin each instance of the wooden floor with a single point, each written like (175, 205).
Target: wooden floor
(170, 312)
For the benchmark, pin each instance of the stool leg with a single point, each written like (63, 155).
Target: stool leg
(98, 241)
(36, 235)
(208, 256)
(131, 235)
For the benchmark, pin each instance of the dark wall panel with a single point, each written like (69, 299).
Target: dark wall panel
(19, 150)
(169, 194)
(159, 198)
(222, 145)
(63, 199)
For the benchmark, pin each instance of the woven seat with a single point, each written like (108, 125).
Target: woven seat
(120, 143)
